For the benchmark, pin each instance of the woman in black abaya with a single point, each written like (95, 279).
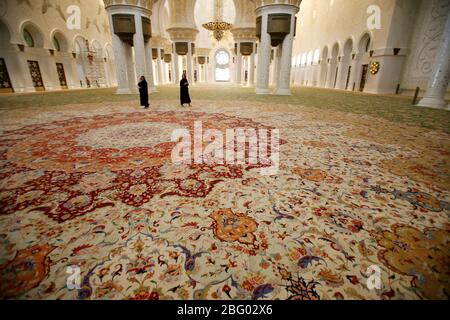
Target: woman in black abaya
(143, 92)
(184, 91)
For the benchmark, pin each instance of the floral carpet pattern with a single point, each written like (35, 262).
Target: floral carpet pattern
(95, 187)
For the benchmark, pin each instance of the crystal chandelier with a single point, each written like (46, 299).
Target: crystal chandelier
(218, 26)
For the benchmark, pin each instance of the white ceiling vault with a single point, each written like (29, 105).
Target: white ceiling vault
(204, 12)
(193, 13)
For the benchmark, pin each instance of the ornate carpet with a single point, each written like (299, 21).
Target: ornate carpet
(93, 186)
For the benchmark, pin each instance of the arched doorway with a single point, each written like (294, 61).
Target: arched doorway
(303, 69)
(345, 66)
(5, 80)
(222, 71)
(309, 69)
(34, 40)
(96, 65)
(61, 59)
(324, 67)
(316, 68)
(110, 66)
(364, 45)
(81, 69)
(333, 68)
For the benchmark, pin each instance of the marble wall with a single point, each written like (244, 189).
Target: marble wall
(45, 19)
(425, 41)
(405, 44)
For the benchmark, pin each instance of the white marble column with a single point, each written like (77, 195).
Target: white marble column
(438, 85)
(22, 66)
(238, 64)
(149, 68)
(342, 74)
(262, 82)
(163, 70)
(49, 73)
(312, 75)
(131, 70)
(346, 62)
(196, 70)
(206, 70)
(294, 75)
(190, 65)
(323, 73)
(306, 75)
(283, 86)
(121, 65)
(355, 71)
(316, 74)
(299, 75)
(273, 67)
(175, 68)
(139, 48)
(256, 64)
(159, 65)
(244, 68)
(284, 76)
(166, 72)
(107, 74)
(251, 68)
(277, 66)
(204, 67)
(331, 66)
(74, 82)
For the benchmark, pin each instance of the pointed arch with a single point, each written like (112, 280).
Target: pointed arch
(365, 42)
(30, 29)
(59, 41)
